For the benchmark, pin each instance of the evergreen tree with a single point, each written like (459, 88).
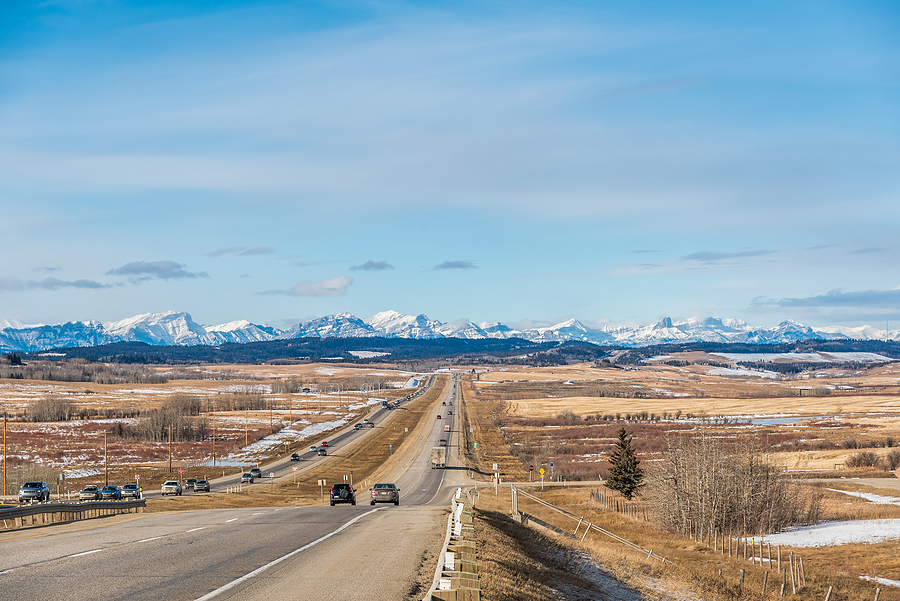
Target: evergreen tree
(625, 474)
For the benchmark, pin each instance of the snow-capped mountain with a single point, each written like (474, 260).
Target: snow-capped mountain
(178, 328)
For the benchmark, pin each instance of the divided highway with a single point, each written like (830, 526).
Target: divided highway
(342, 552)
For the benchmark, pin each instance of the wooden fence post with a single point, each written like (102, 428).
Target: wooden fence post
(793, 579)
(783, 581)
(742, 576)
(802, 573)
(765, 581)
(828, 595)
(877, 593)
(779, 558)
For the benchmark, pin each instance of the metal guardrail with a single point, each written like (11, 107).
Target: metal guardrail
(456, 576)
(649, 552)
(27, 515)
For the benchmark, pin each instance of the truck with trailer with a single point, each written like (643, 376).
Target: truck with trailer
(438, 458)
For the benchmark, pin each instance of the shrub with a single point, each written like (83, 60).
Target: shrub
(862, 459)
(892, 460)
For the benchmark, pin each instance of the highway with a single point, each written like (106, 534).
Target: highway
(342, 552)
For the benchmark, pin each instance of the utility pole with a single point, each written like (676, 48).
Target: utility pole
(245, 432)
(106, 457)
(4, 453)
(214, 446)
(271, 428)
(170, 449)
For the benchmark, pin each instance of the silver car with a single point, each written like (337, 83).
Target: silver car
(34, 491)
(385, 492)
(91, 492)
(171, 487)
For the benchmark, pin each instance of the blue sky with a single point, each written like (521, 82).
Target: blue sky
(617, 161)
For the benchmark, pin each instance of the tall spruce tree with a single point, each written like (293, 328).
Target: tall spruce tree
(625, 474)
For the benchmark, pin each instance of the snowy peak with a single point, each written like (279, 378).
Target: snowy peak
(178, 328)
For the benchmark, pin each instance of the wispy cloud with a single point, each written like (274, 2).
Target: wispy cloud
(653, 87)
(10, 284)
(455, 265)
(259, 250)
(867, 251)
(714, 257)
(372, 266)
(140, 271)
(231, 250)
(47, 269)
(871, 299)
(332, 287)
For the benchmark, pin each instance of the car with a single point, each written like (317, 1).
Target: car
(449, 413)
(247, 477)
(324, 443)
(443, 404)
(201, 486)
(322, 451)
(343, 493)
(91, 492)
(171, 487)
(132, 490)
(189, 483)
(439, 417)
(295, 456)
(111, 492)
(442, 442)
(313, 449)
(385, 492)
(357, 426)
(34, 491)
(257, 473)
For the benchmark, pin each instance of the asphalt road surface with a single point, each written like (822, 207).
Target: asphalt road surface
(342, 552)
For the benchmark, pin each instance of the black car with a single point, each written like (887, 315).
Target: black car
(295, 456)
(343, 493)
(257, 473)
(189, 483)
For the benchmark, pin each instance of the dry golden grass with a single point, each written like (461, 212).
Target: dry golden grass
(698, 566)
(492, 446)
(368, 458)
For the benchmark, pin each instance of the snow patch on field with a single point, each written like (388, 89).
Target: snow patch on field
(829, 534)
(883, 581)
(871, 497)
(741, 372)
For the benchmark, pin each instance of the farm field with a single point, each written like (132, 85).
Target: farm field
(223, 417)
(813, 425)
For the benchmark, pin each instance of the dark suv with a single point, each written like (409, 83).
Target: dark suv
(343, 493)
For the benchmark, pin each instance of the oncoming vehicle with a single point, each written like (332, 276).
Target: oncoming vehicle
(343, 493)
(257, 473)
(131, 490)
(171, 487)
(201, 486)
(313, 449)
(384, 492)
(247, 477)
(111, 492)
(91, 492)
(189, 483)
(322, 451)
(34, 491)
(295, 456)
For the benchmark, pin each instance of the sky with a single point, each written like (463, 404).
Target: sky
(611, 161)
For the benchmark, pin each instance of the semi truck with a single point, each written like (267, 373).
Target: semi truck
(438, 458)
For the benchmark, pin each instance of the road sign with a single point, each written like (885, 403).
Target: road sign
(551, 464)
(137, 476)
(542, 471)
(495, 467)
(180, 471)
(271, 474)
(295, 469)
(530, 468)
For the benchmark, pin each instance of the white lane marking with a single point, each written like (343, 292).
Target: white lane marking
(149, 539)
(195, 529)
(232, 520)
(262, 569)
(441, 483)
(258, 513)
(85, 553)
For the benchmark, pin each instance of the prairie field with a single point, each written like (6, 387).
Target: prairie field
(230, 416)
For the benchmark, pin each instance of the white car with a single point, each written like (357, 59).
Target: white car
(171, 487)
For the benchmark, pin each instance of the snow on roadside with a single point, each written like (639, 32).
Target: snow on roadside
(829, 534)
(289, 434)
(871, 497)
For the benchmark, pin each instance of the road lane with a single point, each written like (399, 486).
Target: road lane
(189, 555)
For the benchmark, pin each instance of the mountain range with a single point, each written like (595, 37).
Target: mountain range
(178, 329)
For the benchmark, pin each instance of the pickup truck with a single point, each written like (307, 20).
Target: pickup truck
(171, 487)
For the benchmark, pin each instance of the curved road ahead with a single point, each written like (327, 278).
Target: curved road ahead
(343, 552)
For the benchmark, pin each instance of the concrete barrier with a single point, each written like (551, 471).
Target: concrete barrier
(456, 577)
